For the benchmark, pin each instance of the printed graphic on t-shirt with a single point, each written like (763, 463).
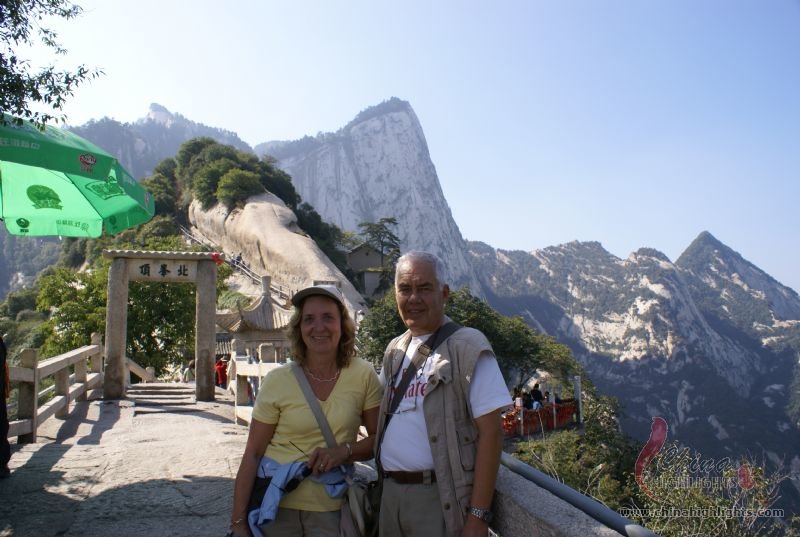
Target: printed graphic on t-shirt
(413, 395)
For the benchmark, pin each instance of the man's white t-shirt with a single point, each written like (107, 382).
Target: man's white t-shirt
(405, 444)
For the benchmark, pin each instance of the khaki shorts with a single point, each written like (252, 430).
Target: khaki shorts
(411, 511)
(296, 523)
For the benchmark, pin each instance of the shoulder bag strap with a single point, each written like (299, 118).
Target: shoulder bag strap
(423, 351)
(314, 404)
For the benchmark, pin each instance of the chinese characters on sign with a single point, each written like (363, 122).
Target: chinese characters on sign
(24, 144)
(83, 226)
(162, 270)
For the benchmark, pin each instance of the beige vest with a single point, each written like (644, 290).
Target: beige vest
(452, 433)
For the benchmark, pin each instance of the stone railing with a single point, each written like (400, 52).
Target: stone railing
(88, 364)
(244, 394)
(147, 374)
(530, 503)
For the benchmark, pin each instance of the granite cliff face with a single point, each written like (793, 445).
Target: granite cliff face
(378, 166)
(265, 231)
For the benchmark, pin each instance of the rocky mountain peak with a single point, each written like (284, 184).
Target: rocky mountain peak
(389, 106)
(651, 253)
(702, 249)
(378, 166)
(734, 287)
(160, 115)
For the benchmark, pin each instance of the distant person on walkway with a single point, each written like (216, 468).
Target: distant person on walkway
(221, 372)
(284, 431)
(538, 398)
(188, 371)
(527, 401)
(439, 454)
(5, 448)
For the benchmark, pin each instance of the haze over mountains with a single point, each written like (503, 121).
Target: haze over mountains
(709, 341)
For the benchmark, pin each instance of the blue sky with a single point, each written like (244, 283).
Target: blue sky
(632, 123)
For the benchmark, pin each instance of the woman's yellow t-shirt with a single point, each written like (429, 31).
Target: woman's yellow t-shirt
(281, 402)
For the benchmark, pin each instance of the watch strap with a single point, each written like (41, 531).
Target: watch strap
(480, 514)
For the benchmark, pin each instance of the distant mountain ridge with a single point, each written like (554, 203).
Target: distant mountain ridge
(696, 342)
(141, 145)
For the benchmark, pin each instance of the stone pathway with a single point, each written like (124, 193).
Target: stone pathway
(156, 464)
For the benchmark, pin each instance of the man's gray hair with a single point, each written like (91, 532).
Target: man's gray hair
(427, 257)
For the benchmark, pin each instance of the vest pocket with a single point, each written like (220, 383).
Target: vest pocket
(466, 445)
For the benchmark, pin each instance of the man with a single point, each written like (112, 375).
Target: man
(5, 448)
(538, 398)
(440, 452)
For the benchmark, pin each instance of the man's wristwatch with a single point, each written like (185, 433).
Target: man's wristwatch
(481, 514)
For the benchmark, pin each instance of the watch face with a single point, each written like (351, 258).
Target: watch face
(482, 514)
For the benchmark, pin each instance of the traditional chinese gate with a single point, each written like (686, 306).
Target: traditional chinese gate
(168, 267)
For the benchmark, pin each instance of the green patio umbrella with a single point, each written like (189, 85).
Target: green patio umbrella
(54, 182)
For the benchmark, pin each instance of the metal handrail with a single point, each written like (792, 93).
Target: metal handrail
(255, 278)
(591, 507)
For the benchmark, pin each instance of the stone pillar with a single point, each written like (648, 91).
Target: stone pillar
(28, 402)
(97, 360)
(241, 397)
(62, 390)
(205, 333)
(238, 346)
(81, 376)
(116, 330)
(266, 353)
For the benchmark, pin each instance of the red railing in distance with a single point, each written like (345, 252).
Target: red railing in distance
(534, 420)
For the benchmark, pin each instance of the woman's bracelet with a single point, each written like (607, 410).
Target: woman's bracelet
(349, 450)
(237, 521)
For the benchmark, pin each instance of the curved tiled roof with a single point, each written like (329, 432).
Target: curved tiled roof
(263, 314)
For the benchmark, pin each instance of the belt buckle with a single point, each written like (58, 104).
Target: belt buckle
(427, 477)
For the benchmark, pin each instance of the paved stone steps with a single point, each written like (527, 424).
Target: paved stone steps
(155, 397)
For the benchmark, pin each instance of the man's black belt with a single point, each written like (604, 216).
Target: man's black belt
(412, 478)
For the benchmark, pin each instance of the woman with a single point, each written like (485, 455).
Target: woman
(322, 338)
